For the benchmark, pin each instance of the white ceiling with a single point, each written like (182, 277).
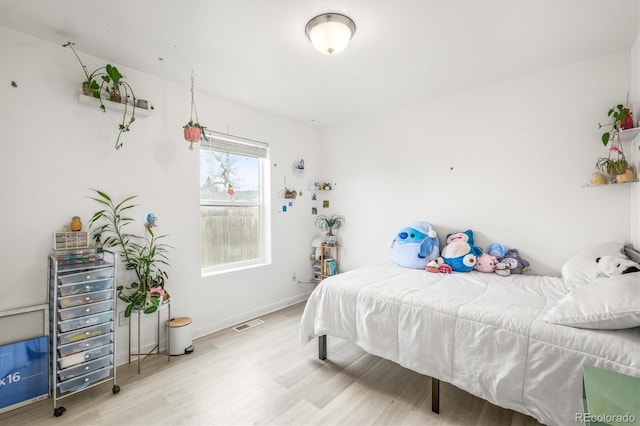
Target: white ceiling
(255, 51)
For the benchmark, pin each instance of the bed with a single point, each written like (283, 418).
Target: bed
(483, 333)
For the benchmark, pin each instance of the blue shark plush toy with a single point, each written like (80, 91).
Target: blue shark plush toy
(415, 245)
(460, 252)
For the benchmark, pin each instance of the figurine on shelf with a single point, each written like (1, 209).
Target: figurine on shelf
(76, 223)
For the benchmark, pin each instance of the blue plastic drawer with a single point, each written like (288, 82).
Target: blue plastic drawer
(91, 275)
(84, 333)
(86, 298)
(84, 287)
(84, 368)
(86, 344)
(84, 380)
(86, 321)
(95, 308)
(89, 355)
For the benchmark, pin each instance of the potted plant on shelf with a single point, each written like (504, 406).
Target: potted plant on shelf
(622, 119)
(111, 86)
(146, 256)
(328, 224)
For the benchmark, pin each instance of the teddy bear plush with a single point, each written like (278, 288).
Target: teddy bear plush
(415, 245)
(486, 263)
(613, 265)
(460, 252)
(517, 265)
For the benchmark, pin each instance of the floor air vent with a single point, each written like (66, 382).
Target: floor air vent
(247, 325)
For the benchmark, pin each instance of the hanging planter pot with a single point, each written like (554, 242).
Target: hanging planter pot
(193, 131)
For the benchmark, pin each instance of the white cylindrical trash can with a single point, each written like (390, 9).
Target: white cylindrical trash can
(180, 336)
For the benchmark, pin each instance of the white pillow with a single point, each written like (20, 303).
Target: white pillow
(605, 304)
(582, 268)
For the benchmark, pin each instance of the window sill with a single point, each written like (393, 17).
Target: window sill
(232, 267)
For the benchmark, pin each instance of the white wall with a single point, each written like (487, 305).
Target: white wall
(635, 145)
(54, 150)
(508, 161)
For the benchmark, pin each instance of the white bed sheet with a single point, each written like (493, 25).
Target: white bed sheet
(480, 332)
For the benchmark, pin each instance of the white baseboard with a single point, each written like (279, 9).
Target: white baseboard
(245, 316)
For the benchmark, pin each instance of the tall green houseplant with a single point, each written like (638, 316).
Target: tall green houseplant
(145, 255)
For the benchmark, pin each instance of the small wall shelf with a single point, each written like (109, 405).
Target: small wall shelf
(588, 185)
(629, 134)
(114, 106)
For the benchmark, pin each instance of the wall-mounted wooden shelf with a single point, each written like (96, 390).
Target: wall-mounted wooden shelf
(112, 106)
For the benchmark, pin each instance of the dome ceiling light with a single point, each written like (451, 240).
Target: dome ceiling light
(330, 32)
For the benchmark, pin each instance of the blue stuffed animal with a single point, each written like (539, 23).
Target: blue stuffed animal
(415, 245)
(460, 252)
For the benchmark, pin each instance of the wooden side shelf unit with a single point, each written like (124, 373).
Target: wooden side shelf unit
(328, 264)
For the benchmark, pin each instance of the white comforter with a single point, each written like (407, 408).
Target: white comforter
(480, 332)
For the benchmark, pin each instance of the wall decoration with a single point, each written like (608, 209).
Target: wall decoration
(325, 204)
(152, 221)
(297, 168)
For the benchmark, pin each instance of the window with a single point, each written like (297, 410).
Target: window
(234, 222)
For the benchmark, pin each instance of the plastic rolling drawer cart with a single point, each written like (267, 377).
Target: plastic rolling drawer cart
(82, 311)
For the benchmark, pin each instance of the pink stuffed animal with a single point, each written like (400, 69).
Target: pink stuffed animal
(486, 263)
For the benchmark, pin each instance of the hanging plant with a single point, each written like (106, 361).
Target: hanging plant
(615, 163)
(113, 87)
(193, 130)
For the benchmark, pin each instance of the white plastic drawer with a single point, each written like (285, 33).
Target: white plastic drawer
(90, 275)
(86, 344)
(84, 381)
(84, 287)
(84, 333)
(70, 313)
(80, 357)
(86, 321)
(86, 298)
(84, 368)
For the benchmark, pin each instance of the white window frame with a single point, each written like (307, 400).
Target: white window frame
(222, 142)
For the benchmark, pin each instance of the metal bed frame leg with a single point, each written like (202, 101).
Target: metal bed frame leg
(435, 383)
(322, 347)
(435, 395)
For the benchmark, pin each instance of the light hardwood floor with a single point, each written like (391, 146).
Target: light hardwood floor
(264, 375)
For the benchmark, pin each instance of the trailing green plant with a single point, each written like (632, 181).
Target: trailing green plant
(111, 84)
(145, 255)
(329, 223)
(618, 114)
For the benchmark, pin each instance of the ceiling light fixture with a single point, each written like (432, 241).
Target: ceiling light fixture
(330, 32)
